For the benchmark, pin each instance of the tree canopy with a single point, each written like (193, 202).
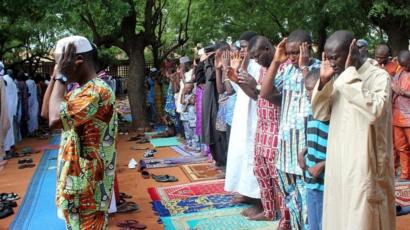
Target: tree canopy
(30, 28)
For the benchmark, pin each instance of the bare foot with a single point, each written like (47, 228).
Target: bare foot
(251, 211)
(260, 217)
(239, 199)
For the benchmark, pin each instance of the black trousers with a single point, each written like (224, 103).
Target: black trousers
(219, 149)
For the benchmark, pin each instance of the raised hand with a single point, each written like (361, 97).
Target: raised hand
(280, 53)
(226, 59)
(304, 55)
(236, 60)
(66, 64)
(245, 62)
(218, 59)
(326, 70)
(353, 49)
(232, 74)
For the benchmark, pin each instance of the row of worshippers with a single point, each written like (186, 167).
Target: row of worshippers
(22, 99)
(292, 117)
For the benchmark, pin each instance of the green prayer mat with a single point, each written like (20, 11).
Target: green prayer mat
(164, 142)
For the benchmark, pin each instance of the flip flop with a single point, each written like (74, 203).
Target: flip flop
(164, 178)
(9, 196)
(131, 224)
(5, 211)
(124, 195)
(128, 207)
(137, 148)
(145, 174)
(23, 166)
(150, 153)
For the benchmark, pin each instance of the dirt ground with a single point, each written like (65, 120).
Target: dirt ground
(131, 182)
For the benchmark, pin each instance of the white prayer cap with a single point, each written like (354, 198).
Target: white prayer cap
(81, 43)
(1, 68)
(153, 69)
(201, 52)
(184, 60)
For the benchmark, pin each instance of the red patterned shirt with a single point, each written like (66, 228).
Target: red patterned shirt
(266, 138)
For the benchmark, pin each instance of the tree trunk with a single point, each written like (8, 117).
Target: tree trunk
(136, 88)
(398, 40)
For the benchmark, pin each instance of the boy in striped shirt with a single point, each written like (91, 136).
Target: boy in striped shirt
(312, 160)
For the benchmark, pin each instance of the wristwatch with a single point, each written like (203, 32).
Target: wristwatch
(258, 88)
(61, 78)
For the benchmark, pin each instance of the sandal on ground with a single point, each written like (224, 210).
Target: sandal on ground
(25, 161)
(9, 196)
(150, 153)
(10, 203)
(125, 196)
(23, 166)
(137, 148)
(145, 174)
(5, 211)
(128, 207)
(164, 178)
(134, 138)
(131, 224)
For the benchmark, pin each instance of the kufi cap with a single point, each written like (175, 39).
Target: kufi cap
(81, 43)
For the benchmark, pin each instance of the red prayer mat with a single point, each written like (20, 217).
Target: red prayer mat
(184, 191)
(403, 194)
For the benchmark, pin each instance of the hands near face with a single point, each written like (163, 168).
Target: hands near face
(326, 70)
(304, 55)
(66, 62)
(218, 59)
(280, 53)
(235, 60)
(353, 49)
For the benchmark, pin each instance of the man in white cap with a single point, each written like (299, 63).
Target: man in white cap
(86, 161)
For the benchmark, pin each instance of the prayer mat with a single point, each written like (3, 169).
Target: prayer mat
(184, 191)
(402, 191)
(183, 152)
(164, 142)
(55, 139)
(151, 163)
(40, 195)
(203, 171)
(226, 218)
(193, 204)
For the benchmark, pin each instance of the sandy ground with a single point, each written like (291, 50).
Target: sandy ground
(17, 180)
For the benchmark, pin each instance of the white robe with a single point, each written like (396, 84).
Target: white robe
(11, 94)
(239, 168)
(359, 176)
(33, 109)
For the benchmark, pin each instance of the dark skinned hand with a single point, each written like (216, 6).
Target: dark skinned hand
(316, 170)
(353, 49)
(326, 70)
(246, 79)
(235, 60)
(218, 59)
(66, 64)
(304, 55)
(280, 53)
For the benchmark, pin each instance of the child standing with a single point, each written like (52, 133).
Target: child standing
(312, 160)
(188, 117)
(401, 115)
